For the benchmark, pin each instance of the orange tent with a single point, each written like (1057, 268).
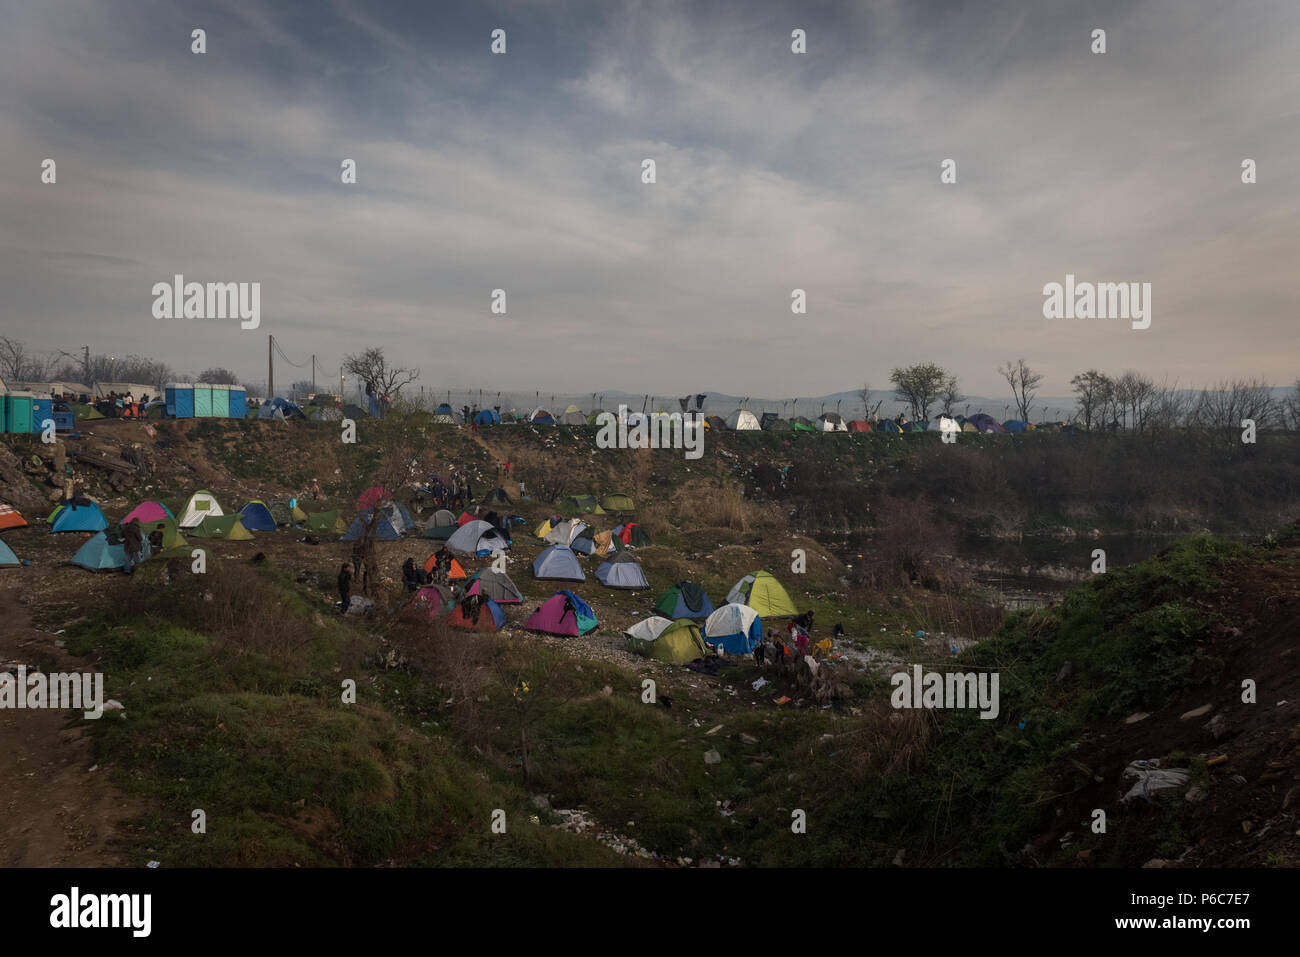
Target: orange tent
(9, 518)
(454, 570)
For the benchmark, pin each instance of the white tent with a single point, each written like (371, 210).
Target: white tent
(648, 629)
(565, 532)
(200, 506)
(742, 419)
(474, 537)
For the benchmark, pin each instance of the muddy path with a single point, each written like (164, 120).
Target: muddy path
(54, 810)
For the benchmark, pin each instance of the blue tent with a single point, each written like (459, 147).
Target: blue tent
(621, 571)
(98, 555)
(1015, 425)
(286, 409)
(79, 518)
(558, 563)
(7, 556)
(384, 530)
(487, 417)
(257, 517)
(735, 629)
(888, 425)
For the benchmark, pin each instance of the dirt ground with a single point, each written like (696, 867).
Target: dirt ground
(55, 810)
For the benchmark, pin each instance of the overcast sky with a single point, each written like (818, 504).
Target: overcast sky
(775, 171)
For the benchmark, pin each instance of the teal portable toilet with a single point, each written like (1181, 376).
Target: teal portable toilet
(18, 412)
(202, 400)
(4, 411)
(221, 401)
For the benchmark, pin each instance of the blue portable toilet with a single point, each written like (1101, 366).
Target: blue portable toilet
(179, 397)
(238, 403)
(42, 409)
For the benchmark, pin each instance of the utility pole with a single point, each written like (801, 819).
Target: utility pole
(270, 368)
(313, 373)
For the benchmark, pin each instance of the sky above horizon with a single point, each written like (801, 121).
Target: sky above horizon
(775, 171)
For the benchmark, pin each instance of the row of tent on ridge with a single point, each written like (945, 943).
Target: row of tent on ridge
(743, 420)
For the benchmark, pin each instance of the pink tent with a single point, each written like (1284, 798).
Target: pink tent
(148, 511)
(564, 613)
(432, 597)
(372, 497)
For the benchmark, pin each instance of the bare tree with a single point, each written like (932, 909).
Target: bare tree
(1291, 406)
(869, 409)
(219, 377)
(1223, 407)
(16, 362)
(950, 395)
(1024, 383)
(1093, 389)
(919, 386)
(373, 368)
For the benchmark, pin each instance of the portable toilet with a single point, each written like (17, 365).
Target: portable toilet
(238, 405)
(202, 400)
(18, 412)
(180, 400)
(42, 409)
(221, 401)
(4, 411)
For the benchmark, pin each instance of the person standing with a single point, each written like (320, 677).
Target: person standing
(156, 538)
(315, 490)
(133, 545)
(345, 588)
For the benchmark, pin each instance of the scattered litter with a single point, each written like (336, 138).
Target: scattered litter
(759, 683)
(714, 729)
(783, 700)
(153, 864)
(1151, 778)
(112, 704)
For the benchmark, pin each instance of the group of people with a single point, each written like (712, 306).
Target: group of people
(123, 406)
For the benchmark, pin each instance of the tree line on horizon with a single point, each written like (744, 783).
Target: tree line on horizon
(1128, 401)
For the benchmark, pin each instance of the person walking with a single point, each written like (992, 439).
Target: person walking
(345, 588)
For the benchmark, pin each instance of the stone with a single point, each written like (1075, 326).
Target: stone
(1196, 712)
(712, 757)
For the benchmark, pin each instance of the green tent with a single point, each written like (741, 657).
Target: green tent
(222, 526)
(584, 503)
(617, 502)
(674, 641)
(281, 512)
(172, 537)
(326, 523)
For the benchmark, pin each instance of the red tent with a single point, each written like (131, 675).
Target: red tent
(464, 517)
(860, 425)
(372, 497)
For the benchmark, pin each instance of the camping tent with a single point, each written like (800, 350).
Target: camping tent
(445, 413)
(633, 535)
(433, 598)
(774, 423)
(229, 527)
(1014, 425)
(487, 417)
(7, 556)
(488, 617)
(79, 518)
(684, 600)
(583, 503)
(10, 518)
(617, 502)
(801, 423)
(888, 425)
(715, 422)
(147, 511)
(455, 570)
(98, 555)
(326, 523)
(541, 417)
(495, 585)
(860, 425)
(984, 422)
(621, 571)
(564, 613)
(384, 530)
(201, 504)
(735, 629)
(497, 495)
(476, 537)
(763, 593)
(742, 420)
(677, 642)
(281, 512)
(558, 563)
(257, 517)
(441, 525)
(563, 533)
(573, 416)
(831, 422)
(172, 537)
